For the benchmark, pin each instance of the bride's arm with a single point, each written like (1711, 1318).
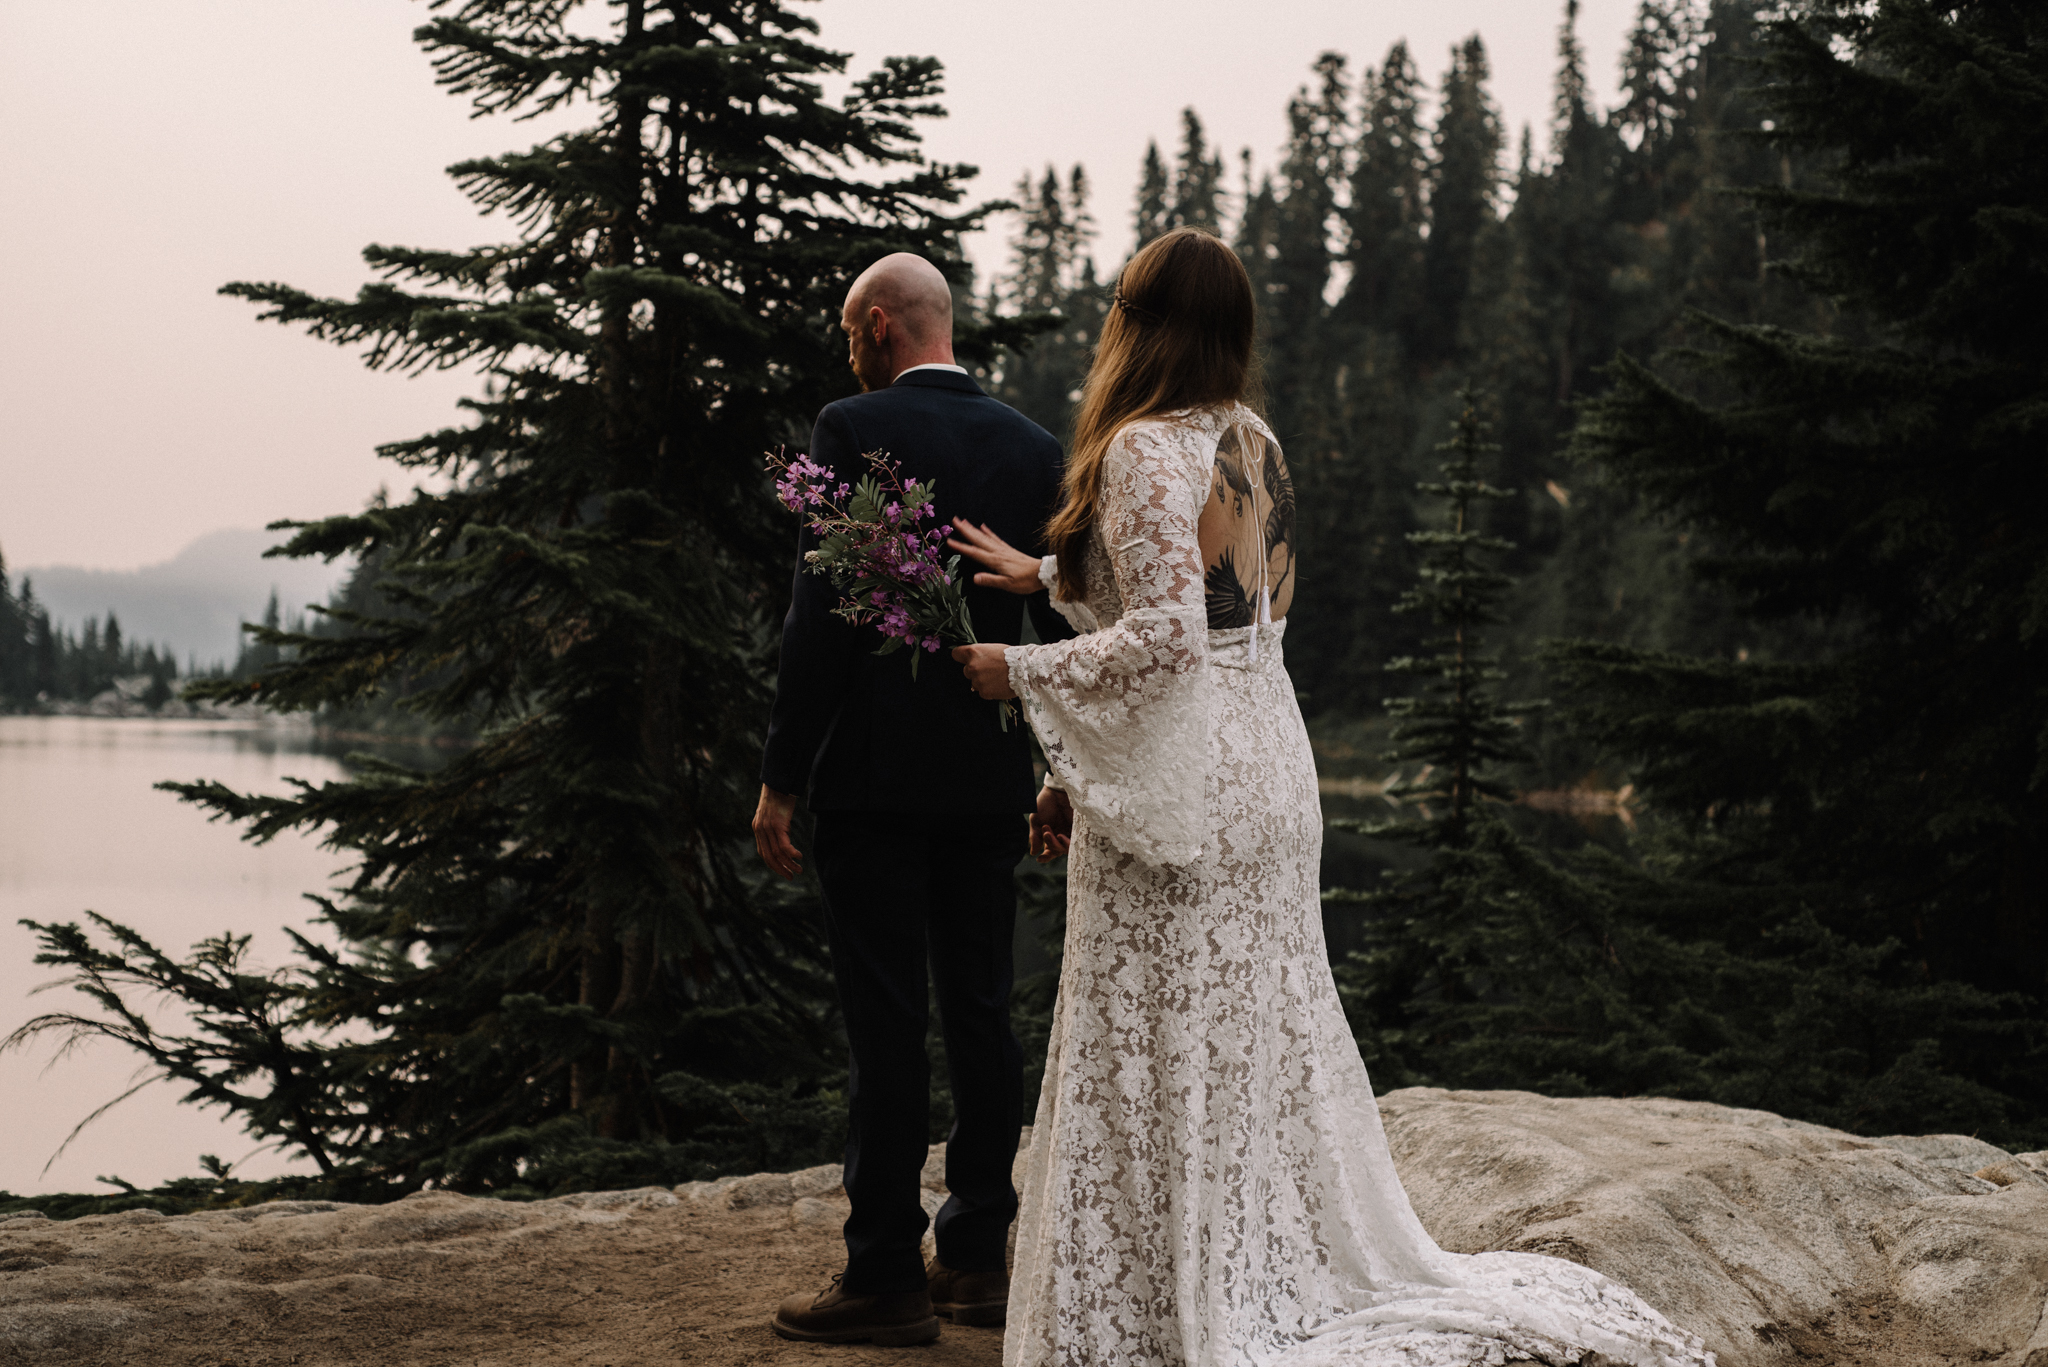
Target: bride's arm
(1148, 508)
(1013, 571)
(1122, 712)
(1009, 569)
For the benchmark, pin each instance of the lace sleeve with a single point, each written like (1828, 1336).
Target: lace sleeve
(1122, 712)
(1079, 615)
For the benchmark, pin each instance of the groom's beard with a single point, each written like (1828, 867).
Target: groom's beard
(869, 366)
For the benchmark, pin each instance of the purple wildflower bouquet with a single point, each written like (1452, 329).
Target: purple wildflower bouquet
(876, 550)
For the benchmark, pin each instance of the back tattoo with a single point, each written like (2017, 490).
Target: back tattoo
(1249, 514)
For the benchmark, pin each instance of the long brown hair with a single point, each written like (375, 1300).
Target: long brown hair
(1178, 335)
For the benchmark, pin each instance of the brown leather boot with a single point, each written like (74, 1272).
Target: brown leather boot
(835, 1315)
(969, 1298)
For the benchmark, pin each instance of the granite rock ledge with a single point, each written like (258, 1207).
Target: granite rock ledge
(1779, 1242)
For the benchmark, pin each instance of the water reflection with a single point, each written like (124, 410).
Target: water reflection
(81, 827)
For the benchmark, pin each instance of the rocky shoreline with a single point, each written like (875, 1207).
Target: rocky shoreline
(1779, 1242)
(130, 698)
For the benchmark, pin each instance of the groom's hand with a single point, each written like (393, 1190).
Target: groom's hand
(771, 832)
(987, 670)
(1052, 825)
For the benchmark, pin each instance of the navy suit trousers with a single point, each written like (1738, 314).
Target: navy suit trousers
(907, 892)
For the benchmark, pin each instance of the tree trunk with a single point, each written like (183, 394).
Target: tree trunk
(636, 977)
(2021, 926)
(597, 988)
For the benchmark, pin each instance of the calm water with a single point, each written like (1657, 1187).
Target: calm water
(82, 829)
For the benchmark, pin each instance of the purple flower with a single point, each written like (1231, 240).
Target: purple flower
(931, 643)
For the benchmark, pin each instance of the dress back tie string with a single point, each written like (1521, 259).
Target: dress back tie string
(1263, 617)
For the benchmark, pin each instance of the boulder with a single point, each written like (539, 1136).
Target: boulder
(1971, 1270)
(1777, 1241)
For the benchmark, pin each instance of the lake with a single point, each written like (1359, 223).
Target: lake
(81, 828)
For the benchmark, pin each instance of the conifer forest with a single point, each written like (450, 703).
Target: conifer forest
(1673, 624)
(47, 662)
(41, 660)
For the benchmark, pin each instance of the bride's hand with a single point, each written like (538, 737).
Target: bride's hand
(1052, 825)
(1012, 570)
(987, 670)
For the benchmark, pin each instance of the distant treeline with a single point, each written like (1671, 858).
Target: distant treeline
(42, 662)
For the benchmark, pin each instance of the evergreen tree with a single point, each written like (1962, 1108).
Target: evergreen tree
(1080, 227)
(1570, 210)
(1464, 185)
(163, 673)
(1193, 197)
(1305, 348)
(1052, 279)
(1659, 71)
(1367, 407)
(1424, 948)
(45, 654)
(1565, 251)
(1385, 218)
(552, 970)
(1456, 728)
(88, 671)
(1719, 246)
(1872, 482)
(262, 652)
(1293, 304)
(1042, 249)
(15, 646)
(1152, 217)
(1582, 189)
(1258, 229)
(1197, 180)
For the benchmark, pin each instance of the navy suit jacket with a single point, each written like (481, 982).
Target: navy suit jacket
(851, 729)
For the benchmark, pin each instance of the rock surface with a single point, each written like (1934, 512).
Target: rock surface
(1781, 1243)
(1776, 1241)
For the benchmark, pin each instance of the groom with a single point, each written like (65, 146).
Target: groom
(919, 801)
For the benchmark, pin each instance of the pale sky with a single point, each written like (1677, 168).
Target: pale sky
(152, 150)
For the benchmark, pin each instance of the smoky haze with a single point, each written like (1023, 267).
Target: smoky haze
(217, 140)
(196, 601)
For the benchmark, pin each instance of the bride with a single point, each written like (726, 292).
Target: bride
(1208, 1183)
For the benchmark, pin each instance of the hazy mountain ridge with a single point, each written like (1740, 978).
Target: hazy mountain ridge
(196, 601)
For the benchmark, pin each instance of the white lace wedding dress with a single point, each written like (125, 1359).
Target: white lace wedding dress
(1208, 1183)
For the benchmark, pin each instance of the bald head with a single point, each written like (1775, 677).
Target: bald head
(898, 314)
(911, 291)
